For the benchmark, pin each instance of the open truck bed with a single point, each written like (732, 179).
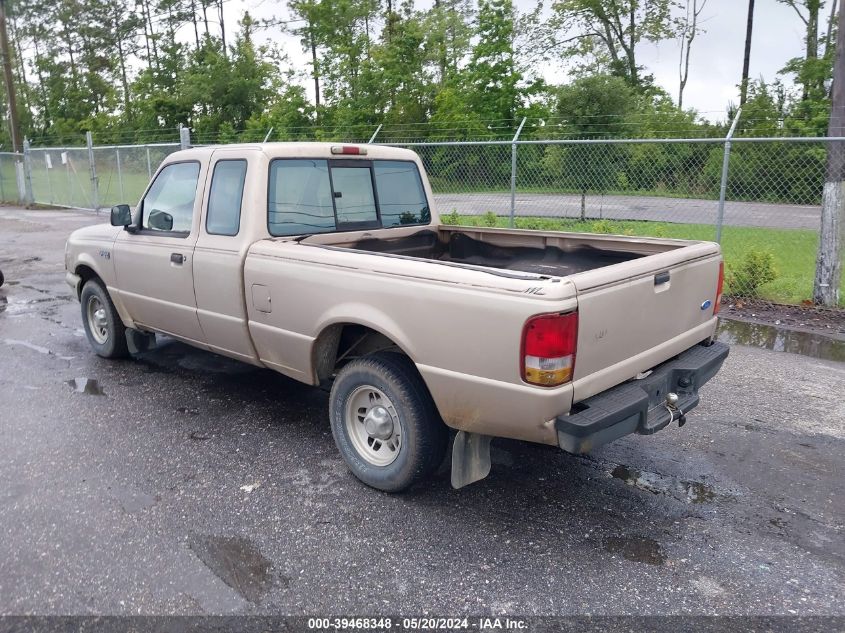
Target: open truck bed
(537, 253)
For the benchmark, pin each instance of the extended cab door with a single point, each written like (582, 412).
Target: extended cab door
(154, 264)
(227, 230)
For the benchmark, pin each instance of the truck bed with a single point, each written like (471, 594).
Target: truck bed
(541, 254)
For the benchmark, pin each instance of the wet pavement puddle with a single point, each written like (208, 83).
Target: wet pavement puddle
(87, 386)
(636, 548)
(237, 562)
(134, 501)
(781, 339)
(689, 491)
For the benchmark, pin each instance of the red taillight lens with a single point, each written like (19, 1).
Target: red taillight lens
(719, 287)
(548, 349)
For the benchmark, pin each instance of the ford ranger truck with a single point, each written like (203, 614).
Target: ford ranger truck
(328, 263)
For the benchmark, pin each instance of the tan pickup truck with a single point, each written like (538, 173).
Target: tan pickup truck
(327, 263)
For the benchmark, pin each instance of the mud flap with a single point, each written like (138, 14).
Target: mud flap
(138, 342)
(470, 458)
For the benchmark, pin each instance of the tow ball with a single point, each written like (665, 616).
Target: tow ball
(674, 410)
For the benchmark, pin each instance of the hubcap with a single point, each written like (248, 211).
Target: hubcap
(373, 425)
(98, 323)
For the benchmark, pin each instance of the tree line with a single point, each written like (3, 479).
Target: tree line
(133, 70)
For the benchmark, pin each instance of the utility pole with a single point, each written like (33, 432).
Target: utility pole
(832, 236)
(749, 27)
(9, 81)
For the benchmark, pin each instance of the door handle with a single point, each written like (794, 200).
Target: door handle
(177, 258)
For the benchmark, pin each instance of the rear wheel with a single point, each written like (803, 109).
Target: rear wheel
(384, 422)
(103, 327)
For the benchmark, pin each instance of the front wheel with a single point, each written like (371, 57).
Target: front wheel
(384, 422)
(103, 327)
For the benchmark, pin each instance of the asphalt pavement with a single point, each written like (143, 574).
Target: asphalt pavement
(655, 208)
(182, 482)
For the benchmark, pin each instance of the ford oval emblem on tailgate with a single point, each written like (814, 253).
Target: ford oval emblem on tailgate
(706, 304)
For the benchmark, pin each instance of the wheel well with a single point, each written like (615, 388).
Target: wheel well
(85, 273)
(341, 342)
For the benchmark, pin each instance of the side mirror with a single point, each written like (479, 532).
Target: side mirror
(121, 215)
(160, 220)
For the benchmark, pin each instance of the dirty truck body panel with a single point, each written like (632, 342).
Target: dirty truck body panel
(265, 253)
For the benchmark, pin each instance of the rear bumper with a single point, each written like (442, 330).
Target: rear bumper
(639, 406)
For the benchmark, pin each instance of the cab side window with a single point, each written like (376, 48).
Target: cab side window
(225, 198)
(169, 203)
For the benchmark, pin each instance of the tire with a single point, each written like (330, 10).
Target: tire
(103, 327)
(371, 399)
(2, 278)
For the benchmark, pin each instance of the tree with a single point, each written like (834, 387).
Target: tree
(448, 30)
(807, 69)
(591, 107)
(746, 60)
(609, 31)
(492, 72)
(688, 29)
(832, 237)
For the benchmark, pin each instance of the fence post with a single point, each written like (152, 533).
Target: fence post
(28, 193)
(95, 184)
(149, 164)
(513, 170)
(119, 174)
(720, 218)
(375, 134)
(184, 137)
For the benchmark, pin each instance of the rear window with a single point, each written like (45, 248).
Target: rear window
(319, 196)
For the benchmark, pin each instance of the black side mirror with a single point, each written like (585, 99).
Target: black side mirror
(160, 220)
(121, 215)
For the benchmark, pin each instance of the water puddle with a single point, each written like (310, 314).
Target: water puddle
(781, 340)
(237, 562)
(213, 364)
(636, 548)
(689, 491)
(87, 386)
(134, 501)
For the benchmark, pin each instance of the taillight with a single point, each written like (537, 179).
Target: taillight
(719, 287)
(349, 149)
(548, 349)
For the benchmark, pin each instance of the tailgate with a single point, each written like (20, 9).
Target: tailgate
(635, 315)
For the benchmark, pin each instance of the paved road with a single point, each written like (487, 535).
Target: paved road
(784, 216)
(122, 490)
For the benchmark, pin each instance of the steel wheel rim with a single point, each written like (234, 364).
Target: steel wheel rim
(98, 322)
(372, 425)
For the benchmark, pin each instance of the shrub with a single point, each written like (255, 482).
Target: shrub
(489, 219)
(603, 226)
(451, 218)
(756, 269)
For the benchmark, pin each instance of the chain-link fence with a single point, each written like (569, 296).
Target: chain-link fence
(768, 222)
(760, 198)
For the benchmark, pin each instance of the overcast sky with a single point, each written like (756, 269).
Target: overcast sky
(715, 62)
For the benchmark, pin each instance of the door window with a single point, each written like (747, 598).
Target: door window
(169, 204)
(353, 193)
(225, 197)
(401, 196)
(300, 197)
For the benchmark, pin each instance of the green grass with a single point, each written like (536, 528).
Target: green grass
(794, 250)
